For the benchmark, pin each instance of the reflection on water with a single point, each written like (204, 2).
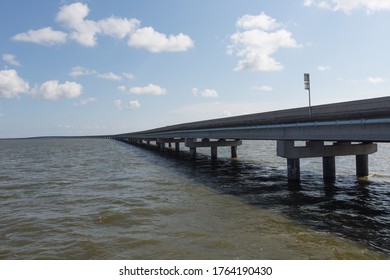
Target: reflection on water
(101, 199)
(351, 207)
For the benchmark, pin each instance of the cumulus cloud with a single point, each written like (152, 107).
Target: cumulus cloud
(110, 76)
(257, 39)
(73, 17)
(11, 59)
(153, 41)
(323, 68)
(375, 80)
(45, 36)
(128, 75)
(118, 27)
(11, 85)
(263, 88)
(79, 71)
(53, 90)
(206, 93)
(121, 88)
(347, 6)
(132, 105)
(118, 103)
(150, 89)
(84, 102)
(86, 31)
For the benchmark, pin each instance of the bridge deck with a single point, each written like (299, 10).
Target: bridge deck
(363, 120)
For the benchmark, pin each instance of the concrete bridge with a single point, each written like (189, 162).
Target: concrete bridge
(339, 129)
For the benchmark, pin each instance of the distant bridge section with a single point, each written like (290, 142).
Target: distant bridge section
(352, 127)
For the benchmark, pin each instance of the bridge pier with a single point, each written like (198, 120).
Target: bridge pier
(234, 151)
(287, 149)
(293, 169)
(329, 167)
(177, 147)
(213, 145)
(361, 165)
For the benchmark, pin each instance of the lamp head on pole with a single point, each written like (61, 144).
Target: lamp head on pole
(306, 79)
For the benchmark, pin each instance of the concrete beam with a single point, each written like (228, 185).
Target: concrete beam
(206, 143)
(287, 149)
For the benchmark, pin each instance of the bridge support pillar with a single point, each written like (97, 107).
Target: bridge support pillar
(214, 145)
(362, 165)
(214, 152)
(287, 149)
(177, 147)
(161, 147)
(329, 167)
(234, 151)
(293, 169)
(193, 153)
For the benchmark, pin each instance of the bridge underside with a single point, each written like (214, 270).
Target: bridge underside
(351, 127)
(286, 149)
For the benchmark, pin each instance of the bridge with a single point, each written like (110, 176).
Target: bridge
(327, 131)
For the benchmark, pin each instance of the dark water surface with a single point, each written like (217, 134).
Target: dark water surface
(102, 199)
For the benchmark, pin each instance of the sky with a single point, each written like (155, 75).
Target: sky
(107, 67)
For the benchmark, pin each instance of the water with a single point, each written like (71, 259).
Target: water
(102, 199)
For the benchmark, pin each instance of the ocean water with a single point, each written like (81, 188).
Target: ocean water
(103, 199)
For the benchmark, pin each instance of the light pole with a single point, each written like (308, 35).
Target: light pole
(306, 79)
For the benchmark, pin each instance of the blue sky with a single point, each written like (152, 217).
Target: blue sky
(103, 67)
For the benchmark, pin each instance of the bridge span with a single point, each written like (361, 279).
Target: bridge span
(339, 129)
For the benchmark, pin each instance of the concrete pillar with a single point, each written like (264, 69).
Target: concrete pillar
(214, 152)
(293, 169)
(362, 165)
(234, 151)
(162, 147)
(329, 167)
(193, 153)
(177, 147)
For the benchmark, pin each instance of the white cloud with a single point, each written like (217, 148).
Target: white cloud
(84, 102)
(118, 103)
(11, 85)
(263, 88)
(262, 21)
(85, 31)
(323, 68)
(347, 6)
(110, 76)
(73, 17)
(132, 105)
(128, 75)
(375, 80)
(153, 41)
(121, 88)
(45, 36)
(206, 93)
(210, 110)
(52, 90)
(81, 71)
(11, 59)
(118, 27)
(150, 89)
(258, 38)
